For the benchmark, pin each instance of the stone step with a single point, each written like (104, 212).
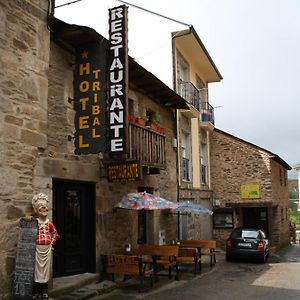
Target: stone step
(77, 287)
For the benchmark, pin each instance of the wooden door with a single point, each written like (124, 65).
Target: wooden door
(73, 215)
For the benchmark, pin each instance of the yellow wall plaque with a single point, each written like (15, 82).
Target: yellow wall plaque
(250, 191)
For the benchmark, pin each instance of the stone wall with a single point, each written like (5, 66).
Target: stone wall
(235, 162)
(24, 60)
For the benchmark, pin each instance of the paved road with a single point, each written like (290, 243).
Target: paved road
(278, 279)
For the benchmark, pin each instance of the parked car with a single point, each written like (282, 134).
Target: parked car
(247, 243)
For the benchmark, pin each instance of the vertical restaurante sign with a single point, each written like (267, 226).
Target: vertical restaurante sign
(118, 79)
(90, 99)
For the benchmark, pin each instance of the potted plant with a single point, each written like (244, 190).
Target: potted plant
(141, 121)
(132, 118)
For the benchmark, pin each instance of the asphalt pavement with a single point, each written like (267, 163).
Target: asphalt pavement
(278, 279)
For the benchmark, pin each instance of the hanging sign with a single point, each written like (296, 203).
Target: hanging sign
(250, 191)
(90, 99)
(124, 171)
(118, 79)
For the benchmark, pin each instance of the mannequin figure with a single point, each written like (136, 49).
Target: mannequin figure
(45, 239)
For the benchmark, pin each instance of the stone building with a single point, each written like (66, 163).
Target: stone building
(250, 189)
(37, 111)
(24, 63)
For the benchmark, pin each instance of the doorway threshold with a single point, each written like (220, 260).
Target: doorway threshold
(67, 284)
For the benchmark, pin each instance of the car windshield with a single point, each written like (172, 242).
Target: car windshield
(249, 234)
(252, 234)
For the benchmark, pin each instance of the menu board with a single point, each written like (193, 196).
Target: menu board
(25, 260)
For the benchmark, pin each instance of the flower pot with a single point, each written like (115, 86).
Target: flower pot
(141, 121)
(132, 118)
(154, 127)
(162, 130)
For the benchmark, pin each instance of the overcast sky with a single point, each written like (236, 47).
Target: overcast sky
(255, 45)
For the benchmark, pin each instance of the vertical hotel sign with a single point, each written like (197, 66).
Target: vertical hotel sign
(118, 79)
(90, 99)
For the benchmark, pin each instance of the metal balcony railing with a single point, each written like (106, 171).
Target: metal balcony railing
(190, 93)
(147, 146)
(193, 96)
(207, 113)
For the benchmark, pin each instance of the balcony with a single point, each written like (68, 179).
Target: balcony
(147, 146)
(190, 93)
(194, 97)
(207, 113)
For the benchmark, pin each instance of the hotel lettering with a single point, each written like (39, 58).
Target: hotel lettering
(90, 99)
(118, 79)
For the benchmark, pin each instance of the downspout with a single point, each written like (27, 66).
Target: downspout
(176, 132)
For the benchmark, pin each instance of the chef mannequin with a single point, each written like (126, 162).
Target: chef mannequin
(45, 239)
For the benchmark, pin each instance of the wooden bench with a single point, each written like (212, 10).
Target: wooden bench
(128, 266)
(206, 247)
(162, 256)
(190, 255)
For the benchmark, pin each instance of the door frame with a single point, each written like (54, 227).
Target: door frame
(90, 225)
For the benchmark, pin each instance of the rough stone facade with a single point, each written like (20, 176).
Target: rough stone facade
(235, 162)
(24, 62)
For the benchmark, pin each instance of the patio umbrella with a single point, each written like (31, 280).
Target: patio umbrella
(145, 201)
(190, 207)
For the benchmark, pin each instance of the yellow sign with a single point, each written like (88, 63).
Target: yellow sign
(250, 191)
(123, 171)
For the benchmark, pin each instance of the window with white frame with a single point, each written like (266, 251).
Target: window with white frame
(186, 156)
(204, 163)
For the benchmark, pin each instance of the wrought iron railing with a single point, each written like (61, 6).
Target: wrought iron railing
(193, 96)
(190, 93)
(147, 146)
(207, 113)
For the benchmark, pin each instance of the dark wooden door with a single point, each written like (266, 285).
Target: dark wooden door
(73, 216)
(256, 217)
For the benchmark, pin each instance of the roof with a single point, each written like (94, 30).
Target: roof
(196, 49)
(75, 35)
(273, 155)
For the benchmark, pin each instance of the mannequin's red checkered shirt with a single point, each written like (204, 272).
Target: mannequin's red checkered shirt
(47, 234)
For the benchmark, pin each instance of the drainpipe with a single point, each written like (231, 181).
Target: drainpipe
(177, 171)
(177, 135)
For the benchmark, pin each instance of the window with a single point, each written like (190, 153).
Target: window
(204, 163)
(186, 154)
(223, 218)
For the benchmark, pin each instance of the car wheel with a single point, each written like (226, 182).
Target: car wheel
(228, 257)
(263, 258)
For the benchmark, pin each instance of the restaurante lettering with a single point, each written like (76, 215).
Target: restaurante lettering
(118, 79)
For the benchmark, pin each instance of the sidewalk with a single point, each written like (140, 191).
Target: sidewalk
(67, 290)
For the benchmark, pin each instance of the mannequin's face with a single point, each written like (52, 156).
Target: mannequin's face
(42, 211)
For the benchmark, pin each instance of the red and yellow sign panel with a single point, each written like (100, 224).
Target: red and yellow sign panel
(123, 171)
(90, 99)
(250, 191)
